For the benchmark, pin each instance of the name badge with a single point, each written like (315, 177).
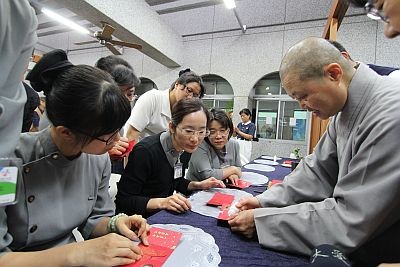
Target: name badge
(178, 170)
(8, 185)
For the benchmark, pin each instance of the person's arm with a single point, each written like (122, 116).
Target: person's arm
(109, 250)
(359, 206)
(17, 39)
(314, 178)
(202, 163)
(132, 133)
(141, 115)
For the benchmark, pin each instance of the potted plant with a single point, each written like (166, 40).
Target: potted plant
(297, 159)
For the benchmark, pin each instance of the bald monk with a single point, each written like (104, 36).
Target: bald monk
(346, 193)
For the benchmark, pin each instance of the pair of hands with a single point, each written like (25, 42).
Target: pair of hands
(243, 222)
(179, 203)
(234, 173)
(114, 249)
(119, 148)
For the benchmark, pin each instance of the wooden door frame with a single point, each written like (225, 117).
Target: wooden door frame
(336, 15)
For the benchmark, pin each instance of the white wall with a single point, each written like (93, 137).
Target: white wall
(242, 59)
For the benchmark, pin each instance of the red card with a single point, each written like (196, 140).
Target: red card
(241, 184)
(274, 182)
(164, 238)
(128, 150)
(223, 215)
(220, 199)
(162, 243)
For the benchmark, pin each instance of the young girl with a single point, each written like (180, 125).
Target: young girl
(156, 164)
(65, 175)
(219, 155)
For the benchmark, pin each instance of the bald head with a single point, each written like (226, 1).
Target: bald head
(307, 59)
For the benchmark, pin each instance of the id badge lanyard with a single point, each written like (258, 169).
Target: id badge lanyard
(10, 180)
(178, 167)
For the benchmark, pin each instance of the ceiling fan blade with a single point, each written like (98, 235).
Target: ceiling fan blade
(112, 49)
(107, 31)
(87, 42)
(137, 46)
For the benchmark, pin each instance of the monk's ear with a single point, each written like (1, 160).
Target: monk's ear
(334, 71)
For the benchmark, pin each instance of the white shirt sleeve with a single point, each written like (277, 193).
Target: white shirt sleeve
(142, 112)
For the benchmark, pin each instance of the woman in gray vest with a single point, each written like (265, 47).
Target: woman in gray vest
(218, 156)
(66, 172)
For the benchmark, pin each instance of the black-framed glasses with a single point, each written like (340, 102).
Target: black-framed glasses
(190, 132)
(190, 91)
(109, 140)
(222, 133)
(373, 12)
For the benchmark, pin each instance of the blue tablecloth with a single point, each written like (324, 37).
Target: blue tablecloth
(235, 250)
(279, 173)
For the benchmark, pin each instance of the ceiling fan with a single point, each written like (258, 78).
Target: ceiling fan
(104, 37)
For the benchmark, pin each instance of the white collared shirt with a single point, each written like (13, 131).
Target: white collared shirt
(151, 113)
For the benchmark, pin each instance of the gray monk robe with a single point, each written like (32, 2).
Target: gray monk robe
(347, 192)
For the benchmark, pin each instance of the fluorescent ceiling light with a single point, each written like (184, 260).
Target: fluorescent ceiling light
(230, 4)
(65, 21)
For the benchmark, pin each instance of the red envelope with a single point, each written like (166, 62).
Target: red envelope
(220, 199)
(153, 255)
(241, 184)
(274, 182)
(164, 238)
(223, 215)
(162, 243)
(128, 150)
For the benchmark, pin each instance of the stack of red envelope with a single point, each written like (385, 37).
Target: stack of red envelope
(162, 243)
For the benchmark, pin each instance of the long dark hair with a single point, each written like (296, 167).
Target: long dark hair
(186, 106)
(82, 98)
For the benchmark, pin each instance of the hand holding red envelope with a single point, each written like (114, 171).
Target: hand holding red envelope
(241, 184)
(128, 149)
(162, 243)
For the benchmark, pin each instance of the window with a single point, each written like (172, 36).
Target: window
(219, 93)
(277, 115)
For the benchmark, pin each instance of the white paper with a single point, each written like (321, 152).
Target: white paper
(292, 122)
(268, 120)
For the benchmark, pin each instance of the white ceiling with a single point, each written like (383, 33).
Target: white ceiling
(192, 17)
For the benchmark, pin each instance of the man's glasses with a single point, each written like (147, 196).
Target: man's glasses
(190, 91)
(191, 132)
(109, 140)
(222, 133)
(373, 12)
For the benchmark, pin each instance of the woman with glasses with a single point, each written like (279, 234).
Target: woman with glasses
(152, 111)
(156, 165)
(65, 175)
(219, 155)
